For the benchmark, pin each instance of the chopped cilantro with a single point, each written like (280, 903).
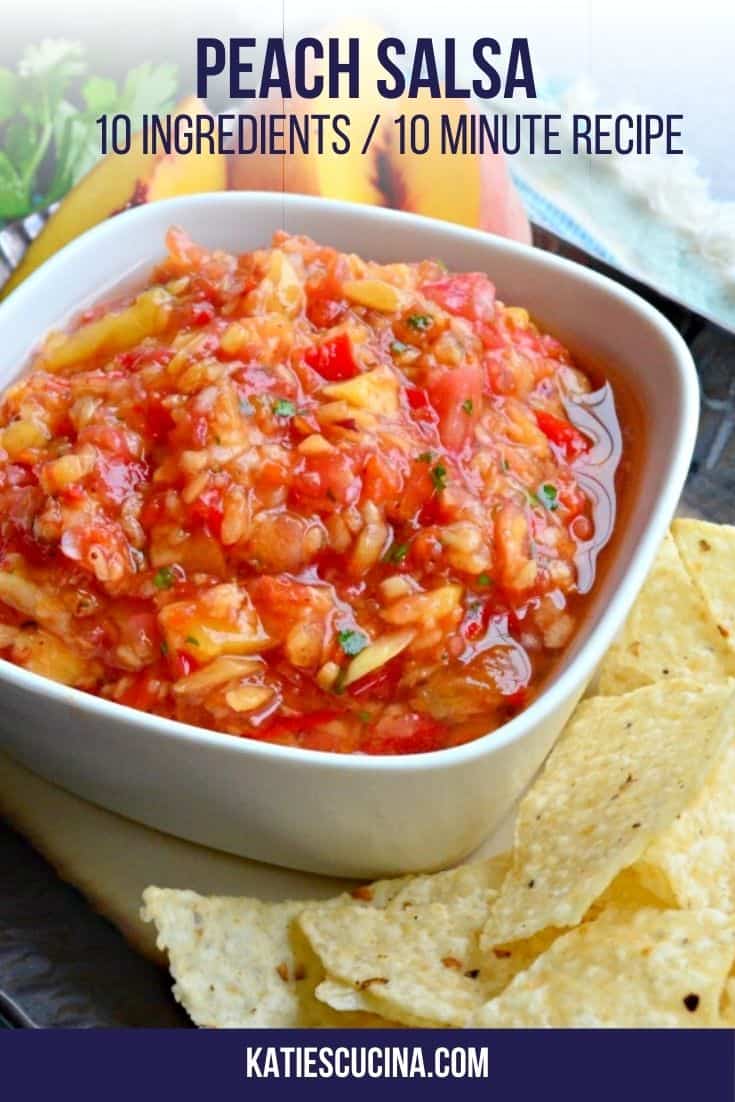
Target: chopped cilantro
(420, 322)
(467, 405)
(364, 717)
(352, 642)
(425, 457)
(193, 640)
(439, 477)
(396, 552)
(164, 578)
(547, 495)
(283, 407)
(484, 579)
(164, 647)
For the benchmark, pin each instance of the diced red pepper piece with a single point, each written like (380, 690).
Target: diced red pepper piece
(417, 398)
(333, 360)
(562, 434)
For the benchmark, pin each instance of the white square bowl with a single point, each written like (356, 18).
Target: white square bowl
(329, 813)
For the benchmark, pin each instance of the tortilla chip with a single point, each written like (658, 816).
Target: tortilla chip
(669, 634)
(438, 887)
(231, 958)
(242, 963)
(626, 891)
(649, 969)
(623, 769)
(492, 975)
(708, 553)
(237, 964)
(728, 1004)
(418, 965)
(692, 864)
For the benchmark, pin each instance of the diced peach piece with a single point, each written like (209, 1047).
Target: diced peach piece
(67, 469)
(33, 597)
(221, 621)
(21, 435)
(148, 315)
(43, 653)
(376, 294)
(286, 292)
(376, 391)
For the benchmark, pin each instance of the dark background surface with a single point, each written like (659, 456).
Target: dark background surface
(61, 964)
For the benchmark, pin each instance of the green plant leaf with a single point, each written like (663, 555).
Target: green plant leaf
(148, 88)
(99, 94)
(14, 197)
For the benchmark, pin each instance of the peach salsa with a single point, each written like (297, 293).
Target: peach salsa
(300, 497)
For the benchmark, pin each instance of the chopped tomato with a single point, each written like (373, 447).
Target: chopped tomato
(158, 419)
(334, 359)
(328, 480)
(456, 395)
(143, 691)
(282, 603)
(470, 295)
(418, 489)
(115, 480)
(382, 480)
(410, 733)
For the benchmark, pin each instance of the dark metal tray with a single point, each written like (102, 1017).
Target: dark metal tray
(61, 964)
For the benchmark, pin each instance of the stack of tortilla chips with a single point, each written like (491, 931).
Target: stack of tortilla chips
(616, 906)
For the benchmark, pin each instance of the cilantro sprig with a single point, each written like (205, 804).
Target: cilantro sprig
(420, 322)
(164, 578)
(396, 553)
(351, 641)
(48, 108)
(547, 495)
(284, 407)
(439, 477)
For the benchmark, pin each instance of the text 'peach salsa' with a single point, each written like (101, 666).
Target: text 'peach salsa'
(304, 498)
